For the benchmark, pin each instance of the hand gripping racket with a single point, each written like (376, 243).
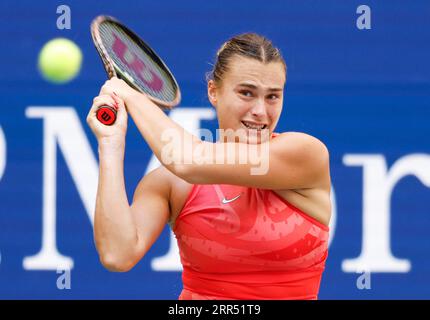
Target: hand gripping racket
(128, 57)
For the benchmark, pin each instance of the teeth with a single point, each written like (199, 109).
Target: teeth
(253, 126)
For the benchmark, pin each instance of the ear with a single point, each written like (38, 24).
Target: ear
(212, 93)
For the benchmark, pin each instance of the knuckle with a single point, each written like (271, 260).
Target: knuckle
(103, 98)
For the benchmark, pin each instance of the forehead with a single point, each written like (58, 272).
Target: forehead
(242, 69)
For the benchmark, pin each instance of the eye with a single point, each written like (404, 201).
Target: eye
(246, 93)
(273, 96)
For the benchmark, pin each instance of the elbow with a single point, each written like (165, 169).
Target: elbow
(116, 264)
(116, 257)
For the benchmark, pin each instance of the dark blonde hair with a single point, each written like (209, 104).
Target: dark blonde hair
(250, 45)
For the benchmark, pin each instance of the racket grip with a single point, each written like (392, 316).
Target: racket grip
(106, 115)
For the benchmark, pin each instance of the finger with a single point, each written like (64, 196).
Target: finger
(118, 101)
(103, 100)
(103, 97)
(121, 110)
(106, 88)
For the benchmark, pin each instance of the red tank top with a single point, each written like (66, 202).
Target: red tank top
(246, 243)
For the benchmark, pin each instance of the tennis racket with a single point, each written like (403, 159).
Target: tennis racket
(126, 56)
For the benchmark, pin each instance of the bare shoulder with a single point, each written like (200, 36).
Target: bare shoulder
(303, 141)
(172, 188)
(304, 149)
(158, 180)
(315, 200)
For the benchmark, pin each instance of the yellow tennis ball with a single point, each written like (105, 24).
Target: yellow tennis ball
(60, 60)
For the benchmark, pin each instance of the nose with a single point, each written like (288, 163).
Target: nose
(259, 109)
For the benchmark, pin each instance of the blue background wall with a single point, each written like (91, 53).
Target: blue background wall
(359, 91)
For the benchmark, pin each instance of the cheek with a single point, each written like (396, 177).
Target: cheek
(274, 114)
(243, 106)
(237, 108)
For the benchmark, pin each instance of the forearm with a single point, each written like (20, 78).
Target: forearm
(187, 156)
(170, 143)
(114, 228)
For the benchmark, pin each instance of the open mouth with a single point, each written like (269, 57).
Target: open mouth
(254, 126)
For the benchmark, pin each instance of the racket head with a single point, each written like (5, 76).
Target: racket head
(126, 56)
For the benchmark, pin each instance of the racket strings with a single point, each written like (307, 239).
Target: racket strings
(145, 73)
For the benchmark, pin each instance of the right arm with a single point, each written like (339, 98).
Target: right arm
(124, 233)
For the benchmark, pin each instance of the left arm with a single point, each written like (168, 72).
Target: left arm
(290, 161)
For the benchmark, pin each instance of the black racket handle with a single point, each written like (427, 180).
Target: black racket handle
(106, 115)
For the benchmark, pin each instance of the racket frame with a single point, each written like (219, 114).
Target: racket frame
(114, 71)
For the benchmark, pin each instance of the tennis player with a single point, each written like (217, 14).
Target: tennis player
(243, 232)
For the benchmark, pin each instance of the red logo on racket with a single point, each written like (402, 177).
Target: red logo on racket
(137, 65)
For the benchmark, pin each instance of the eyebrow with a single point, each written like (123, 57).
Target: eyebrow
(252, 86)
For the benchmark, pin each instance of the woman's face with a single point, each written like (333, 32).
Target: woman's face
(249, 98)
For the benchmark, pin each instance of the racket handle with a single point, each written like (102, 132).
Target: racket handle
(106, 115)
